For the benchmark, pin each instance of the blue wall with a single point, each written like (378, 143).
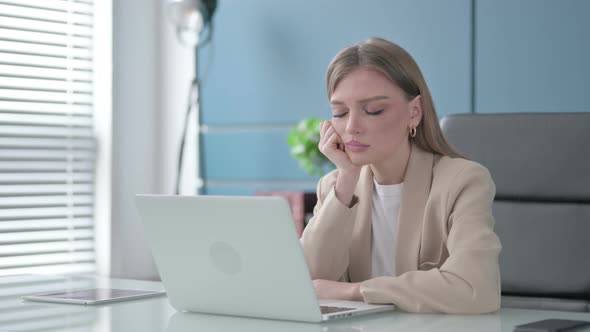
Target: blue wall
(532, 56)
(265, 69)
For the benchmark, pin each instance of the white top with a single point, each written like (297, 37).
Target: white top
(385, 215)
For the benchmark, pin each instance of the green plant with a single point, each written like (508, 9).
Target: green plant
(303, 140)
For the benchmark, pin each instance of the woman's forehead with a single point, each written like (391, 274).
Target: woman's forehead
(363, 86)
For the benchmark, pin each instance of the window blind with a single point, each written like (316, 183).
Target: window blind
(47, 145)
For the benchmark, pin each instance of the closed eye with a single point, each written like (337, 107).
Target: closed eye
(375, 112)
(339, 115)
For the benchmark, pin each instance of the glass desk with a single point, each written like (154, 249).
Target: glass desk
(156, 314)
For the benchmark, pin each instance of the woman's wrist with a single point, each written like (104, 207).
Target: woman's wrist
(355, 292)
(345, 184)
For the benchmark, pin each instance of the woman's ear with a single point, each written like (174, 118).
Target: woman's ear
(416, 111)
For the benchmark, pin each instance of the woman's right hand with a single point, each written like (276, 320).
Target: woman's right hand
(332, 146)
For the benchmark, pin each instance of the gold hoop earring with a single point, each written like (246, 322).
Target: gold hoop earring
(413, 132)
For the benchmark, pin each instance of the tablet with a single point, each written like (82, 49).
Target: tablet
(551, 325)
(93, 296)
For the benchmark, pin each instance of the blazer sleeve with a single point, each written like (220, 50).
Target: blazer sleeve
(327, 237)
(469, 280)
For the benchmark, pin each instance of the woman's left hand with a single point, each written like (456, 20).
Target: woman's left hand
(336, 290)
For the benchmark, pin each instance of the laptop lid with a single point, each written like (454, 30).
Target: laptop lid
(230, 255)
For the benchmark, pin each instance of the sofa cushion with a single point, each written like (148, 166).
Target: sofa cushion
(531, 156)
(545, 248)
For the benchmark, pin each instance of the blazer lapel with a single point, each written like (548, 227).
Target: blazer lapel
(359, 267)
(416, 189)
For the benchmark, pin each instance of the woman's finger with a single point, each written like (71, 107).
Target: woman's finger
(327, 136)
(331, 143)
(328, 130)
(322, 131)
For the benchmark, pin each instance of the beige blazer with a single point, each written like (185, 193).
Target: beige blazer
(446, 249)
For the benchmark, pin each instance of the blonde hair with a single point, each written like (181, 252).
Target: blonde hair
(399, 66)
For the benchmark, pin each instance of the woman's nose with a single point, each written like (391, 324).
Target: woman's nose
(353, 125)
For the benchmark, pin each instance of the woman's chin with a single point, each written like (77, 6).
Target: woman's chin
(359, 161)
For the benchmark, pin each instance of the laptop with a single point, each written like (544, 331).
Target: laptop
(235, 255)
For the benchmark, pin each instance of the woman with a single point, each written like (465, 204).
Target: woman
(403, 219)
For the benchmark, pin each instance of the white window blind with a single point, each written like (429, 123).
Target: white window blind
(47, 145)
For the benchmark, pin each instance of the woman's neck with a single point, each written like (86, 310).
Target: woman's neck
(392, 170)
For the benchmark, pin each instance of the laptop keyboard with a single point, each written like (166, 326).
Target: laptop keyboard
(328, 310)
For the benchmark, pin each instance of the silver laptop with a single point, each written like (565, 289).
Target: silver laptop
(235, 255)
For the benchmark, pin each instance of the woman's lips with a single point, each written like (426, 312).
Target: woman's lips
(355, 146)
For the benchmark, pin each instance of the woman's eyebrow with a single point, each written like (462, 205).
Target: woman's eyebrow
(362, 101)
